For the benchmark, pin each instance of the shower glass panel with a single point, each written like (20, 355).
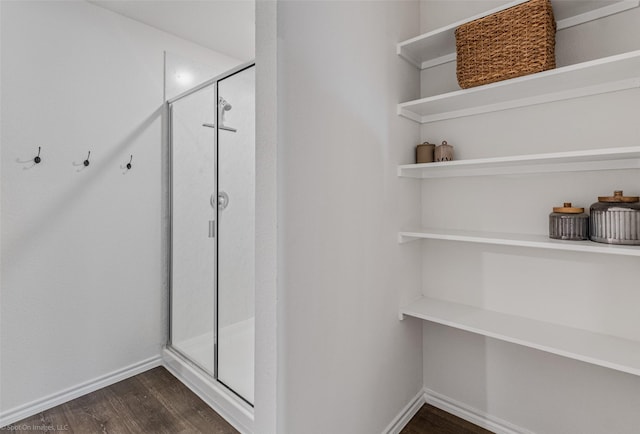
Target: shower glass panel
(236, 224)
(212, 142)
(193, 247)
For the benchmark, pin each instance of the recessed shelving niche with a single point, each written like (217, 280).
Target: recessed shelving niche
(609, 74)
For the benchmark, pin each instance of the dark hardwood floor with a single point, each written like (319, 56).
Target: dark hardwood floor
(432, 420)
(155, 402)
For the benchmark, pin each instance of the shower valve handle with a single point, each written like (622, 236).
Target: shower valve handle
(223, 200)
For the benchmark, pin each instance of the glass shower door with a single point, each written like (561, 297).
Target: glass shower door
(236, 223)
(193, 213)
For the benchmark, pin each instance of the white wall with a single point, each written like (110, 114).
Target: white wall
(82, 273)
(346, 363)
(183, 73)
(268, 342)
(537, 391)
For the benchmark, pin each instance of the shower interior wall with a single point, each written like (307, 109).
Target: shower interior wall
(195, 153)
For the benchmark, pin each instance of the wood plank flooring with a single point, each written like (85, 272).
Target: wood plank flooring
(432, 420)
(155, 402)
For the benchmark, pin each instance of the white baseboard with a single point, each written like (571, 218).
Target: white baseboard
(235, 411)
(405, 414)
(471, 414)
(34, 407)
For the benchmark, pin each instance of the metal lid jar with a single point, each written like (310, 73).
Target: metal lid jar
(616, 219)
(568, 223)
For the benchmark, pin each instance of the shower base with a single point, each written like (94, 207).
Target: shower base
(235, 353)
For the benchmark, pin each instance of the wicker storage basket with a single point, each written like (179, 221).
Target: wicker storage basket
(510, 43)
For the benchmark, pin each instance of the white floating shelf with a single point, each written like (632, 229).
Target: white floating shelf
(604, 75)
(598, 159)
(517, 240)
(439, 46)
(595, 348)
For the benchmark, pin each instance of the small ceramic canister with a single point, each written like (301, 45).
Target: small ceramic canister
(568, 223)
(444, 152)
(424, 153)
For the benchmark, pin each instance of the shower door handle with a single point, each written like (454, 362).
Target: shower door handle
(212, 228)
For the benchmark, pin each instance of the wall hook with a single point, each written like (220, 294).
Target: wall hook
(37, 158)
(86, 162)
(129, 163)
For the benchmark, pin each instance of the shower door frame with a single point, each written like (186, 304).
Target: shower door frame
(169, 110)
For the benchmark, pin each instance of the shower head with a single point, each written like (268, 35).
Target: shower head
(224, 104)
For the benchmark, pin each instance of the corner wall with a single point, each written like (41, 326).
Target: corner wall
(347, 364)
(268, 378)
(534, 390)
(83, 293)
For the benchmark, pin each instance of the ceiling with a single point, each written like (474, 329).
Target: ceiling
(226, 26)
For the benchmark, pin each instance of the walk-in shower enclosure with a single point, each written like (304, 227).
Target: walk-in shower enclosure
(212, 231)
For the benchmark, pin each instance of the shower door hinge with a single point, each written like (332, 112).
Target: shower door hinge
(212, 228)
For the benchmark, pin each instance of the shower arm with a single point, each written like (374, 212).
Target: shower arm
(222, 127)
